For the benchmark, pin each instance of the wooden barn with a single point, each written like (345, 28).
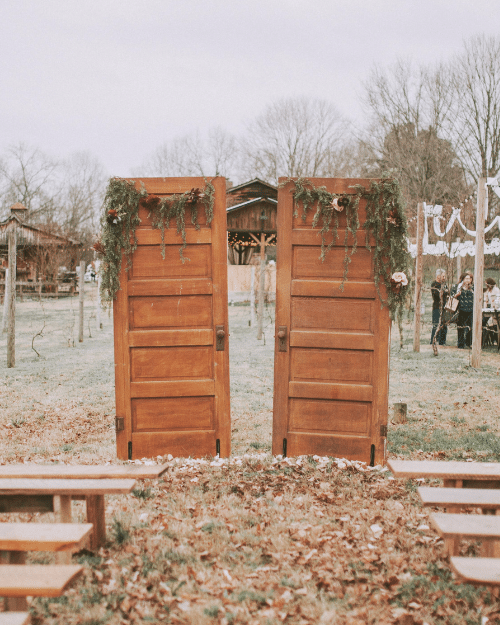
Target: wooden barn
(251, 221)
(40, 253)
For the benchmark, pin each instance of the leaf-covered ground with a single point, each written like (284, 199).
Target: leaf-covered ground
(257, 539)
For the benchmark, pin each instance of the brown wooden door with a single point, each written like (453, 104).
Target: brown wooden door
(331, 382)
(172, 384)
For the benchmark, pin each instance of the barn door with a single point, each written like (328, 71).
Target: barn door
(171, 336)
(331, 354)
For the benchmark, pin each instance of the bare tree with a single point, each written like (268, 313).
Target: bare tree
(194, 155)
(83, 181)
(294, 137)
(473, 122)
(407, 107)
(27, 175)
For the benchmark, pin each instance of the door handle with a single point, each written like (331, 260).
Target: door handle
(220, 335)
(282, 343)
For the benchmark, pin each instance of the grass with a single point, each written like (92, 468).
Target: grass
(259, 540)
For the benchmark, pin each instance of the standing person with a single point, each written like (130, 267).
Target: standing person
(491, 294)
(465, 294)
(440, 292)
(491, 300)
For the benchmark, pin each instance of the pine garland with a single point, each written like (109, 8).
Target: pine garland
(385, 223)
(120, 219)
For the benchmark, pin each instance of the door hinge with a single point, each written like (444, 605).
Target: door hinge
(119, 424)
(282, 339)
(220, 335)
(130, 450)
(383, 430)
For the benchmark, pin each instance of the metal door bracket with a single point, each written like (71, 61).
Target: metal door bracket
(119, 424)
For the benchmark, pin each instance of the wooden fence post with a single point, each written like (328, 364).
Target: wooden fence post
(459, 261)
(418, 276)
(477, 323)
(11, 320)
(252, 295)
(5, 314)
(97, 265)
(81, 300)
(262, 278)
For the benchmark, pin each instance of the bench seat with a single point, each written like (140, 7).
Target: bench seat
(14, 618)
(458, 498)
(466, 525)
(479, 571)
(43, 536)
(37, 580)
(453, 473)
(73, 487)
(81, 472)
(455, 527)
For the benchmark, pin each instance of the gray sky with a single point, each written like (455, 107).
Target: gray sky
(120, 77)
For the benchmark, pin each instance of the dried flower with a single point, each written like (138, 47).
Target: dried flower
(151, 201)
(112, 217)
(99, 248)
(195, 195)
(393, 218)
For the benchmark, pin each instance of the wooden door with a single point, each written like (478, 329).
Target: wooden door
(331, 364)
(171, 378)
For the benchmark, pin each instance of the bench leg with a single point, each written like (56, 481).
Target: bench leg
(14, 604)
(63, 507)
(451, 546)
(453, 483)
(488, 548)
(95, 515)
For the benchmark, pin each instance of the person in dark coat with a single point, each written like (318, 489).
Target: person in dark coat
(440, 293)
(464, 292)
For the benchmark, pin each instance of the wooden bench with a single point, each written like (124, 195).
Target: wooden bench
(14, 618)
(81, 471)
(39, 580)
(454, 527)
(49, 495)
(454, 474)
(18, 538)
(458, 498)
(477, 571)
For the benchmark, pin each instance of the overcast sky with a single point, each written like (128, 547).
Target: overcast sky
(120, 77)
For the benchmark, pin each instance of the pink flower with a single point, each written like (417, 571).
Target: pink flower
(399, 278)
(335, 204)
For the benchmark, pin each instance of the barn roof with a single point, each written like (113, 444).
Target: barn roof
(247, 184)
(250, 202)
(31, 235)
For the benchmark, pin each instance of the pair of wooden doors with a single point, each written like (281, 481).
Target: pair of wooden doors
(172, 351)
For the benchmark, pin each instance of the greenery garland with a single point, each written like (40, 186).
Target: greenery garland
(120, 218)
(385, 223)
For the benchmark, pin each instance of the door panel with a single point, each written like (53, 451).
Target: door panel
(172, 384)
(331, 383)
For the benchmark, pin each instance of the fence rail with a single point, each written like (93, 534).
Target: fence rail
(45, 288)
